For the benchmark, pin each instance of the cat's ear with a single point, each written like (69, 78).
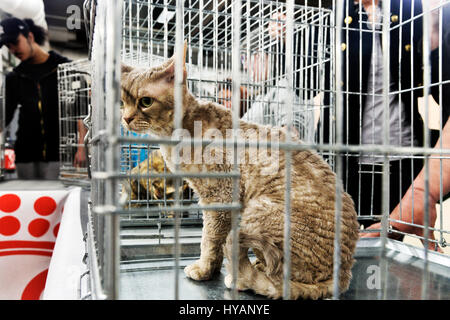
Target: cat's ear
(185, 46)
(184, 60)
(170, 70)
(126, 68)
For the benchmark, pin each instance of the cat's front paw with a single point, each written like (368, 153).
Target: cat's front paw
(228, 281)
(198, 271)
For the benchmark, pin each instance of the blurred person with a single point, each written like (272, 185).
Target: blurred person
(33, 86)
(265, 100)
(363, 102)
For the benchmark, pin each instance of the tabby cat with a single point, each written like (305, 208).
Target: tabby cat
(148, 106)
(146, 188)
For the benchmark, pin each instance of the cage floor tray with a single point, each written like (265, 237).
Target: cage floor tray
(155, 279)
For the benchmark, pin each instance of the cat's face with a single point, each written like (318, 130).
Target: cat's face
(148, 98)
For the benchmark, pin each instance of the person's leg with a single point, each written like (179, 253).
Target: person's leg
(26, 170)
(49, 170)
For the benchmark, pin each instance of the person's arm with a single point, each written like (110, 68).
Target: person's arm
(411, 209)
(434, 165)
(225, 96)
(414, 198)
(80, 108)
(80, 160)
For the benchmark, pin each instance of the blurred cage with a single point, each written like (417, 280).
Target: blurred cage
(149, 33)
(74, 90)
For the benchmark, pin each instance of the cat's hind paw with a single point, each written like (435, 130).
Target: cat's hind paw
(196, 271)
(258, 265)
(229, 283)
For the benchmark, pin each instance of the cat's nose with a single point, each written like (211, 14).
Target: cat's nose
(128, 119)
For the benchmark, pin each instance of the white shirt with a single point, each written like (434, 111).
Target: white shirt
(271, 109)
(372, 117)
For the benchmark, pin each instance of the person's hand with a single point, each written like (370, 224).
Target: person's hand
(403, 219)
(224, 97)
(367, 2)
(258, 67)
(80, 158)
(294, 132)
(277, 29)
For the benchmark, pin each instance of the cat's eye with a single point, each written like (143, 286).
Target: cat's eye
(145, 102)
(121, 104)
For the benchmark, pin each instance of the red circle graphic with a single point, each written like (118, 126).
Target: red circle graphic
(9, 202)
(45, 206)
(56, 230)
(9, 225)
(38, 227)
(34, 288)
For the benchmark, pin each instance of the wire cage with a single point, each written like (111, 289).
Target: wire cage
(74, 90)
(297, 65)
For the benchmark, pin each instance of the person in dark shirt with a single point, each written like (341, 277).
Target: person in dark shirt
(409, 215)
(362, 89)
(33, 86)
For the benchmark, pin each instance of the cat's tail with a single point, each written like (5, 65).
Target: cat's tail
(273, 255)
(319, 290)
(268, 280)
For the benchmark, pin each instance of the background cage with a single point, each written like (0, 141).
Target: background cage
(74, 90)
(148, 35)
